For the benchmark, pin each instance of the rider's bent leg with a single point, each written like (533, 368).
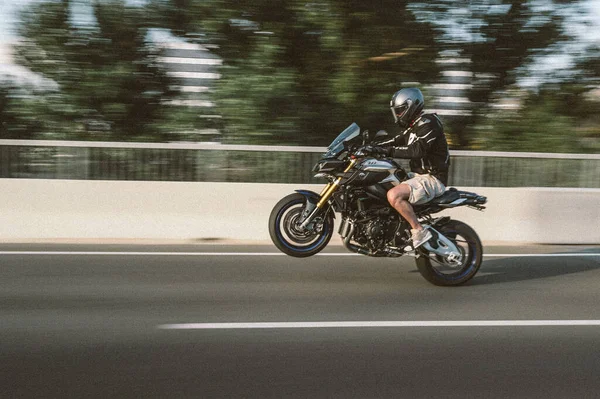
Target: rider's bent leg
(419, 189)
(398, 199)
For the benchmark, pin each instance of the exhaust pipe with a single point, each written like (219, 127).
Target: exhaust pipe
(352, 247)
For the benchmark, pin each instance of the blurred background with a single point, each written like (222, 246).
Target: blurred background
(504, 75)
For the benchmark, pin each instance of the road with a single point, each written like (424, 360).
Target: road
(101, 321)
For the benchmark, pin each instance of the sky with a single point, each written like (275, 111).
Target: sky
(7, 22)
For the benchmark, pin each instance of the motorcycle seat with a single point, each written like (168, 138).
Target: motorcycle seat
(449, 196)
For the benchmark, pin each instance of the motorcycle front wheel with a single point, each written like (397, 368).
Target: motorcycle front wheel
(445, 272)
(285, 231)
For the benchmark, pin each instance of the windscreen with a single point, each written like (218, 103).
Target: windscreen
(337, 146)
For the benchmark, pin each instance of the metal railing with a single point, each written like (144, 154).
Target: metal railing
(40, 159)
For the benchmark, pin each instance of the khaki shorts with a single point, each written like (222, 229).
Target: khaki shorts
(423, 188)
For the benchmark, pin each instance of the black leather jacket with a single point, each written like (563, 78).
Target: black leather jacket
(424, 143)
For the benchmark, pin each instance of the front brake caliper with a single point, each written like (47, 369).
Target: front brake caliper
(309, 207)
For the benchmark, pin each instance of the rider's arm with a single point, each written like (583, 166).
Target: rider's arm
(418, 148)
(393, 142)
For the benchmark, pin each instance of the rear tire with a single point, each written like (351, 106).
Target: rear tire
(284, 231)
(432, 267)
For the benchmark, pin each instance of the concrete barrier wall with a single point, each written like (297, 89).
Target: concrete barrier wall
(73, 209)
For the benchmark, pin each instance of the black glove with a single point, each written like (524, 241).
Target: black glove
(375, 150)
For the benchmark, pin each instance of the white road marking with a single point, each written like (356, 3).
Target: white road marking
(371, 324)
(150, 253)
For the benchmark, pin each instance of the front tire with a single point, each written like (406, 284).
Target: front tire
(438, 272)
(284, 231)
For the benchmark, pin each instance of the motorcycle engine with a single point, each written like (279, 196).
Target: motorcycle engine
(376, 232)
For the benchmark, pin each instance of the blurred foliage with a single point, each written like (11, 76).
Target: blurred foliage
(109, 85)
(557, 118)
(296, 71)
(537, 127)
(510, 39)
(36, 116)
(299, 71)
(500, 38)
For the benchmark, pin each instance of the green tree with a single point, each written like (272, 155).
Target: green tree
(109, 84)
(500, 38)
(558, 116)
(534, 127)
(511, 39)
(553, 118)
(5, 121)
(30, 113)
(297, 71)
(580, 96)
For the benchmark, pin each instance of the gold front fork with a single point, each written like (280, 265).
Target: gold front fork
(331, 187)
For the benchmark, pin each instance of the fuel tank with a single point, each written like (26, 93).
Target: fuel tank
(375, 171)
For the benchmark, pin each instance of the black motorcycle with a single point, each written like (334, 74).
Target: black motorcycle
(301, 224)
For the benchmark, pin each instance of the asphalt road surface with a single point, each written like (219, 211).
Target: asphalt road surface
(80, 321)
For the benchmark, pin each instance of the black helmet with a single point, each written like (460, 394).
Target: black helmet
(406, 105)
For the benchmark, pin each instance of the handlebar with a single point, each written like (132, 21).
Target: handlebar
(364, 152)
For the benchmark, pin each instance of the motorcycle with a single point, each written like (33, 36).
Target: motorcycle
(302, 224)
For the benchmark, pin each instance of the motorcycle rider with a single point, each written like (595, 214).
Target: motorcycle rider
(421, 140)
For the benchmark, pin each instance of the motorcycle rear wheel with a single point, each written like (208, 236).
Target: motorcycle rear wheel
(286, 234)
(439, 272)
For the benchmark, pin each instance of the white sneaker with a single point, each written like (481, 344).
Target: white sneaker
(420, 237)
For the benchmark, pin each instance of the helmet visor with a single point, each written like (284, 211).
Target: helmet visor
(399, 111)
